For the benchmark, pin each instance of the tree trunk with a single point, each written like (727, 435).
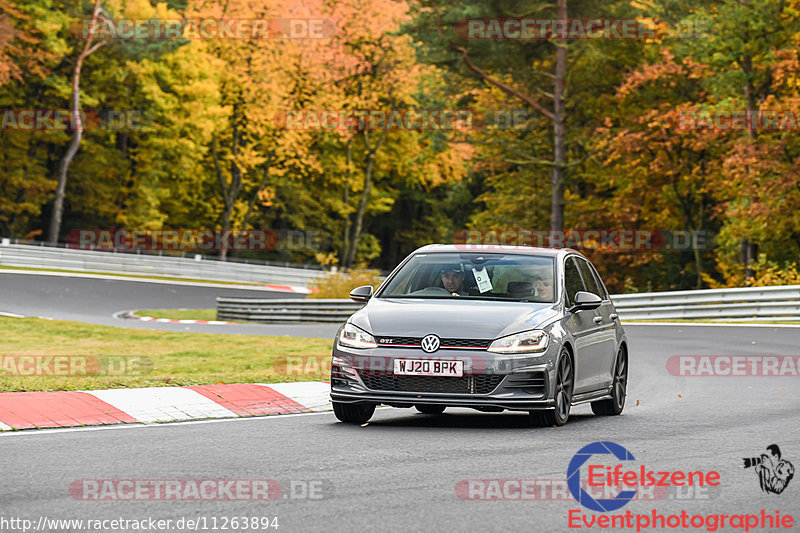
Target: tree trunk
(698, 256)
(230, 192)
(63, 166)
(748, 253)
(345, 200)
(559, 150)
(228, 196)
(369, 163)
(748, 250)
(251, 204)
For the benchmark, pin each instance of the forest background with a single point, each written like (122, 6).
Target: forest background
(607, 134)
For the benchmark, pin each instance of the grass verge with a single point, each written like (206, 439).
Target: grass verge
(123, 358)
(179, 314)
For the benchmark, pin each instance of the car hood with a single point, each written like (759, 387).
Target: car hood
(469, 319)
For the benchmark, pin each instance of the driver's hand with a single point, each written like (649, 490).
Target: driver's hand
(456, 294)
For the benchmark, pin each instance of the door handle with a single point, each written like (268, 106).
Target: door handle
(613, 316)
(597, 319)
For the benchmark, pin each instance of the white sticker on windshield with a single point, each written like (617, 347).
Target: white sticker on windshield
(484, 283)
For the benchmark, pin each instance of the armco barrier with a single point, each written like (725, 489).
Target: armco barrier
(264, 310)
(750, 304)
(153, 265)
(754, 304)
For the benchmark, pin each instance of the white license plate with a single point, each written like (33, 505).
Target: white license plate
(425, 367)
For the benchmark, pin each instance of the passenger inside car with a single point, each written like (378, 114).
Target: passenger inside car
(520, 289)
(544, 288)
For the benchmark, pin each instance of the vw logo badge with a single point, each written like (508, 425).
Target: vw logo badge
(430, 343)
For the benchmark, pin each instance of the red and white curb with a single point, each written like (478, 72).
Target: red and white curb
(289, 288)
(33, 410)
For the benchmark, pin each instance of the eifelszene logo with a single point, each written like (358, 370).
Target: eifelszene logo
(609, 467)
(602, 475)
(574, 477)
(774, 473)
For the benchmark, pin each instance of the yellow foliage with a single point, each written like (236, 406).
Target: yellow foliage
(767, 273)
(339, 284)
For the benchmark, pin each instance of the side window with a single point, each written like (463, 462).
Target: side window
(589, 278)
(600, 284)
(572, 280)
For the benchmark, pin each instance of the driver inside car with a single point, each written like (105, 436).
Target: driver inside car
(453, 279)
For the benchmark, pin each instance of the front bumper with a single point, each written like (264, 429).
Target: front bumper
(491, 382)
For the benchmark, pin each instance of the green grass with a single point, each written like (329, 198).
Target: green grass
(154, 358)
(142, 276)
(180, 314)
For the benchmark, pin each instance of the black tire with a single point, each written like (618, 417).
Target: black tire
(353, 413)
(616, 403)
(565, 380)
(430, 409)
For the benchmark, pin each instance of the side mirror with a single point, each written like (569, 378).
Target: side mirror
(361, 294)
(584, 301)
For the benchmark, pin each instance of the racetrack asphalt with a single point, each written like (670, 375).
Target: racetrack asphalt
(96, 300)
(399, 472)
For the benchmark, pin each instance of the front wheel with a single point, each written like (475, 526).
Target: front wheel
(619, 387)
(430, 409)
(563, 395)
(353, 413)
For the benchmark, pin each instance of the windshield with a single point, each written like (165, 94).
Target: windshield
(478, 276)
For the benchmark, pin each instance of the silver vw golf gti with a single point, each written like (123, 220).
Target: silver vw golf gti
(485, 327)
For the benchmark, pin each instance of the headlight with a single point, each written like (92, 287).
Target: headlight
(356, 337)
(525, 342)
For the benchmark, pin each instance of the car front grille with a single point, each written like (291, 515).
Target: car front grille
(483, 384)
(465, 343)
(416, 342)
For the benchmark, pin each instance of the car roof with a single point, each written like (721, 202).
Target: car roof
(494, 248)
